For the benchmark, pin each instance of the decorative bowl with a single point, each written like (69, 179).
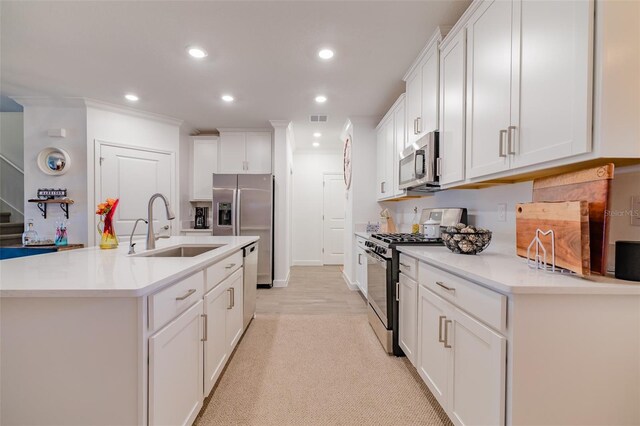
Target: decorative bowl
(466, 239)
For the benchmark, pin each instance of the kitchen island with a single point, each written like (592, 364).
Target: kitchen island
(499, 343)
(96, 336)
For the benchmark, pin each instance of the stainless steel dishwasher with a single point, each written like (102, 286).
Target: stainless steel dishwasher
(250, 282)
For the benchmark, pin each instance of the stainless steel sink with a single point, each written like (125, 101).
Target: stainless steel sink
(181, 251)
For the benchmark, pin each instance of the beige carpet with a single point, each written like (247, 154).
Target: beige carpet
(318, 370)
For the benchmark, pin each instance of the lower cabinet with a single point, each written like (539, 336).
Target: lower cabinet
(175, 370)
(222, 331)
(408, 316)
(361, 266)
(462, 361)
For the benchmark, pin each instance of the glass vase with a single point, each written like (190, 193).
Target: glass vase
(108, 239)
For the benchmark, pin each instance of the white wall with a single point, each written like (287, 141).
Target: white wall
(130, 127)
(38, 119)
(308, 170)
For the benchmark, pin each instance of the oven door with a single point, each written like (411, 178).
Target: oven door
(377, 268)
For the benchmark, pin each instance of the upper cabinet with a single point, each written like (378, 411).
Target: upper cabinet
(205, 164)
(529, 83)
(245, 152)
(452, 108)
(390, 141)
(422, 87)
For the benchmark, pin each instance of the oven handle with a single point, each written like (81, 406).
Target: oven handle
(377, 258)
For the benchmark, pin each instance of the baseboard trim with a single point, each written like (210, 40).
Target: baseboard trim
(352, 286)
(307, 263)
(282, 283)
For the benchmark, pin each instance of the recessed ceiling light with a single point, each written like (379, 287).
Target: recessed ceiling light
(131, 97)
(317, 134)
(326, 53)
(227, 98)
(321, 99)
(316, 144)
(197, 52)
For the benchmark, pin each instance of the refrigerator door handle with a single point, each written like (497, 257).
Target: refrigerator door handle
(238, 197)
(234, 209)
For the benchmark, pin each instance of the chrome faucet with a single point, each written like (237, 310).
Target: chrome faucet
(132, 250)
(151, 237)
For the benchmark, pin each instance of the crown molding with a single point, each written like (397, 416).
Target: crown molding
(106, 106)
(48, 101)
(279, 123)
(244, 129)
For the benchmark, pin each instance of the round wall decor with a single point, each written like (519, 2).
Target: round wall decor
(54, 161)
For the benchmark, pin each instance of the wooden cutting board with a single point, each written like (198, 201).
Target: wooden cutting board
(592, 185)
(570, 223)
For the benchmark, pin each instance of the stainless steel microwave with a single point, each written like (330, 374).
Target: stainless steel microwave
(418, 165)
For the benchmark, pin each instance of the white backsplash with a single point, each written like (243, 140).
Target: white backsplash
(481, 204)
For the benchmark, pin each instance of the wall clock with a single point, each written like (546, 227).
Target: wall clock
(347, 162)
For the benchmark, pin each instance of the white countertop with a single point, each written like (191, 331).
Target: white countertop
(500, 269)
(92, 272)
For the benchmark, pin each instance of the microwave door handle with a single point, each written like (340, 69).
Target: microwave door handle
(419, 164)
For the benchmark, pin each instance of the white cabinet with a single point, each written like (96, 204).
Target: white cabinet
(205, 164)
(462, 361)
(452, 108)
(175, 370)
(422, 89)
(408, 316)
(234, 310)
(528, 83)
(245, 152)
(216, 350)
(390, 141)
(361, 265)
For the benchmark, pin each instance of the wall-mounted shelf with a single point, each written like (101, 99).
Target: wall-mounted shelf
(42, 205)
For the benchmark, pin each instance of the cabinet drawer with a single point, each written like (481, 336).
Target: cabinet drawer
(484, 304)
(221, 270)
(170, 302)
(409, 266)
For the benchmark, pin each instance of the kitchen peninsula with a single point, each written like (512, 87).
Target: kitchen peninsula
(96, 336)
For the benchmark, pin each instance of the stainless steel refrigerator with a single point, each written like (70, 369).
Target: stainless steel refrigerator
(243, 205)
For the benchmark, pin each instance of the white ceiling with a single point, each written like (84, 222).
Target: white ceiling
(263, 53)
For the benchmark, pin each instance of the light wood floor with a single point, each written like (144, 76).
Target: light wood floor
(312, 290)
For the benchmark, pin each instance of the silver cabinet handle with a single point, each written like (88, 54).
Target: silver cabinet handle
(229, 266)
(501, 140)
(440, 339)
(229, 290)
(419, 125)
(397, 292)
(511, 140)
(446, 333)
(439, 166)
(405, 265)
(415, 129)
(359, 258)
(206, 328)
(189, 293)
(382, 187)
(441, 284)
(233, 297)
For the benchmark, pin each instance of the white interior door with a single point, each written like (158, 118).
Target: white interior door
(333, 219)
(134, 175)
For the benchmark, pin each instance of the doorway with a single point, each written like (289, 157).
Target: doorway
(333, 205)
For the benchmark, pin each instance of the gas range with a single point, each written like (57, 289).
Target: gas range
(383, 244)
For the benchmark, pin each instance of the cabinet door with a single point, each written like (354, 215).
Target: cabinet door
(552, 61)
(390, 186)
(452, 107)
(361, 270)
(413, 105)
(216, 350)
(231, 158)
(381, 169)
(408, 312)
(205, 163)
(433, 358)
(400, 138)
(234, 309)
(175, 370)
(430, 88)
(477, 378)
(488, 87)
(258, 152)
